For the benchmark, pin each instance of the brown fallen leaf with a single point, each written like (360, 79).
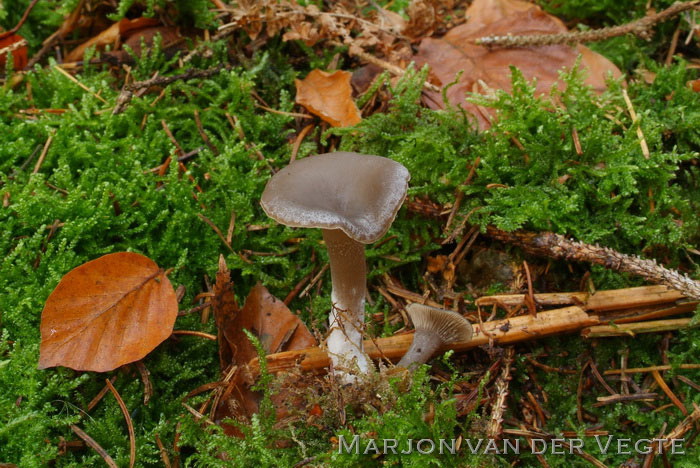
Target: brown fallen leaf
(329, 96)
(486, 69)
(277, 328)
(269, 319)
(15, 45)
(113, 35)
(226, 312)
(106, 313)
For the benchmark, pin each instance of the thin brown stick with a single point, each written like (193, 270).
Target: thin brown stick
(495, 425)
(198, 416)
(641, 27)
(216, 230)
(314, 280)
(669, 393)
(635, 120)
(547, 368)
(22, 20)
(617, 398)
(553, 245)
(208, 336)
(163, 452)
(579, 393)
(127, 93)
(503, 331)
(100, 395)
(530, 297)
(460, 195)
(296, 289)
(95, 446)
(298, 140)
(632, 329)
(689, 382)
(683, 427)
(75, 80)
(288, 114)
(203, 134)
(638, 370)
(146, 379)
(129, 423)
(42, 156)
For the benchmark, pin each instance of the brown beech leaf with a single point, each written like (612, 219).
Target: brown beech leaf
(486, 69)
(106, 313)
(277, 328)
(17, 46)
(269, 319)
(329, 96)
(113, 35)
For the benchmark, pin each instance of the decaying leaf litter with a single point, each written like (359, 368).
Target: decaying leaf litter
(380, 38)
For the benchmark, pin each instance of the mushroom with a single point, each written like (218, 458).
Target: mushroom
(354, 199)
(434, 328)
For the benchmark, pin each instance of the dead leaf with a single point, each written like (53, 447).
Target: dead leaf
(694, 85)
(17, 46)
(269, 319)
(329, 96)
(485, 70)
(113, 35)
(226, 312)
(423, 18)
(106, 313)
(277, 328)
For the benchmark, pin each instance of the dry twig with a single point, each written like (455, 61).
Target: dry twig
(641, 27)
(553, 245)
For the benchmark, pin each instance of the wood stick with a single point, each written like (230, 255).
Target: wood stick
(553, 245)
(631, 329)
(95, 446)
(650, 369)
(641, 27)
(600, 301)
(504, 331)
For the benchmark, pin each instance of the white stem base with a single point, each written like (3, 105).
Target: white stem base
(347, 356)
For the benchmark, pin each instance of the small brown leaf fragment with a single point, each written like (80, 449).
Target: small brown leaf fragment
(437, 263)
(15, 45)
(694, 85)
(329, 96)
(106, 313)
(226, 312)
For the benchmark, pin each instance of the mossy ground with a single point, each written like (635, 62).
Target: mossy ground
(95, 188)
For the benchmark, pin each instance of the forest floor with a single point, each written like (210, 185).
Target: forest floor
(545, 172)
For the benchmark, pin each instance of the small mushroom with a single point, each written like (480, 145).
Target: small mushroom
(354, 199)
(434, 328)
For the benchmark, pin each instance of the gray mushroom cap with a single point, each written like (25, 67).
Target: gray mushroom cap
(450, 326)
(357, 193)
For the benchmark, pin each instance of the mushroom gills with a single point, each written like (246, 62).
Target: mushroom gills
(434, 328)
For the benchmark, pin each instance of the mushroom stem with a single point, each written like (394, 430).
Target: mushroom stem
(422, 348)
(348, 277)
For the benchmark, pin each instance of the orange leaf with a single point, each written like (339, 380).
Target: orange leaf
(485, 69)
(15, 44)
(329, 96)
(106, 313)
